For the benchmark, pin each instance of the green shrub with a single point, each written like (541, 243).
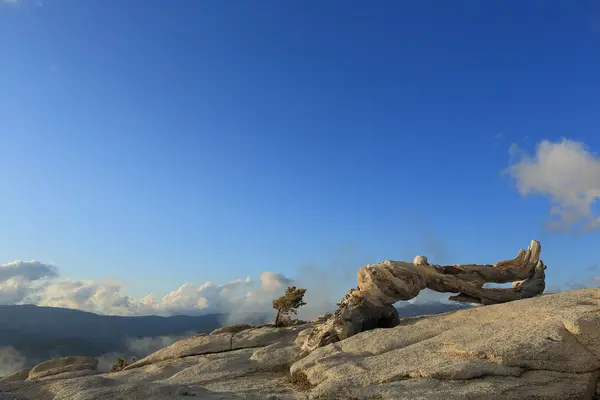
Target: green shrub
(119, 364)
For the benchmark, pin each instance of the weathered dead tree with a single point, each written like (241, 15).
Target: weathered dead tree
(381, 285)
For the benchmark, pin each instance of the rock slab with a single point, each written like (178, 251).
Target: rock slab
(543, 348)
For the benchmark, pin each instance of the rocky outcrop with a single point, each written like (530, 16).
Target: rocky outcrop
(546, 347)
(222, 342)
(63, 365)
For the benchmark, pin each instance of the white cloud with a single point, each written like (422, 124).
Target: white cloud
(29, 270)
(20, 279)
(13, 291)
(568, 173)
(31, 282)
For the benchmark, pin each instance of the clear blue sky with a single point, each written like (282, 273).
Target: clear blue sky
(209, 140)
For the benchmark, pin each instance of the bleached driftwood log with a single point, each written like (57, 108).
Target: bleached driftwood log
(383, 284)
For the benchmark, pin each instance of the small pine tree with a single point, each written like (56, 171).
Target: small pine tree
(288, 304)
(119, 364)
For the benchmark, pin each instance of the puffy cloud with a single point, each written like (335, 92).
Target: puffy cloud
(29, 270)
(20, 279)
(273, 280)
(100, 297)
(32, 282)
(258, 301)
(568, 173)
(14, 291)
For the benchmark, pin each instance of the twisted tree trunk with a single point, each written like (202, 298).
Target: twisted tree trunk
(278, 317)
(381, 285)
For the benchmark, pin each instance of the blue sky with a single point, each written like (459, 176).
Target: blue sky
(160, 142)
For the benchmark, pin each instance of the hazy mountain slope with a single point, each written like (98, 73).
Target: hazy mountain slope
(40, 333)
(61, 322)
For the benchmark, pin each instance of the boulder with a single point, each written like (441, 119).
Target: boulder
(72, 373)
(222, 342)
(420, 260)
(62, 365)
(196, 345)
(302, 335)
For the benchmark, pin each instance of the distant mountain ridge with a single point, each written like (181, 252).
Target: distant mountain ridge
(41, 333)
(60, 322)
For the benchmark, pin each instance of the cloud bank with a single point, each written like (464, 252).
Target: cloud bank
(242, 300)
(568, 173)
(32, 282)
(28, 270)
